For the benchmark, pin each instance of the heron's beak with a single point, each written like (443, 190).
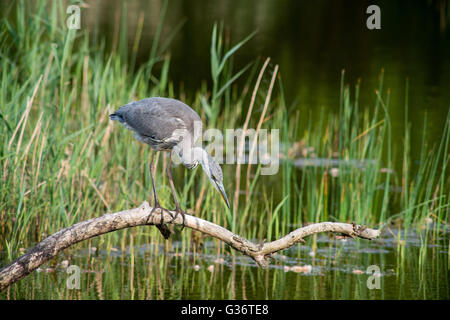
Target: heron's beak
(222, 192)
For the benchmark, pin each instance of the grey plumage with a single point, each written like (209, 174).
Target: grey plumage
(154, 120)
(168, 124)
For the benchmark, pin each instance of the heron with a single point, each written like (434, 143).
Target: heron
(167, 124)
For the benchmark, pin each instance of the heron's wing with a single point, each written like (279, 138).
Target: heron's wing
(152, 120)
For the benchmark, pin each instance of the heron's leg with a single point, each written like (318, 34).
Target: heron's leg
(162, 227)
(152, 176)
(174, 193)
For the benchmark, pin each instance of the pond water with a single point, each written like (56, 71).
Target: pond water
(338, 269)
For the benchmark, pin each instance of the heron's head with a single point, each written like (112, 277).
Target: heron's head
(214, 173)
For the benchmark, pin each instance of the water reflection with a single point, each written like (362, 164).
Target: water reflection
(336, 269)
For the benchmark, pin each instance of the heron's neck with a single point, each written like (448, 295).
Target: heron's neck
(191, 157)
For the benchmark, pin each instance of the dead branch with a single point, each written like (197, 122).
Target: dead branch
(52, 245)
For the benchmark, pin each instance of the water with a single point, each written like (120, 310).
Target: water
(338, 271)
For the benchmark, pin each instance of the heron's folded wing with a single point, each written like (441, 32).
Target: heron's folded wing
(155, 122)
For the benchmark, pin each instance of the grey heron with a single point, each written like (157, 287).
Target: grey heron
(167, 124)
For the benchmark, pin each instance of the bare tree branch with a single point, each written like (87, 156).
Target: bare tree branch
(51, 246)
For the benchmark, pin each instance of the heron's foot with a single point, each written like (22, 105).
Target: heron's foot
(182, 213)
(157, 206)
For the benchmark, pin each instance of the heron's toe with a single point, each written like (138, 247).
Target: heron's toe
(182, 213)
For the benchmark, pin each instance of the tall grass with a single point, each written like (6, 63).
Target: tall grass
(63, 161)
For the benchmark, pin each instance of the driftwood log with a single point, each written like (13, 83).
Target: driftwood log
(143, 215)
